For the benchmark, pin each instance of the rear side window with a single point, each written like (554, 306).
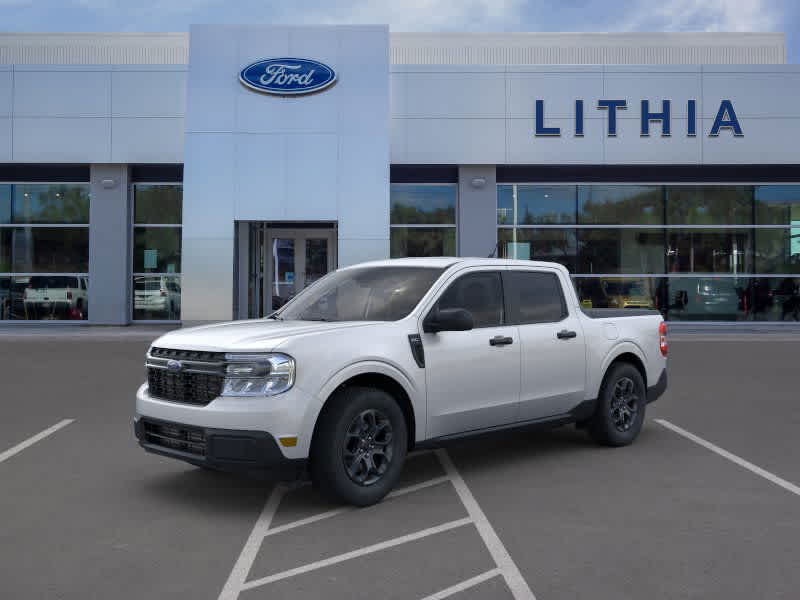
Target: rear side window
(479, 293)
(533, 297)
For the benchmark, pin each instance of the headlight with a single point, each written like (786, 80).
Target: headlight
(257, 374)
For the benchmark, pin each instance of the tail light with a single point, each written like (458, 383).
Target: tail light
(662, 338)
(163, 292)
(69, 295)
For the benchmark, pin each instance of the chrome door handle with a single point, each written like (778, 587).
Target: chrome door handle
(500, 340)
(566, 335)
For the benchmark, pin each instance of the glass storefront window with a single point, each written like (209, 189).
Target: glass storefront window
(708, 298)
(157, 249)
(36, 204)
(158, 204)
(535, 204)
(620, 251)
(709, 250)
(723, 252)
(44, 251)
(156, 297)
(778, 250)
(157, 210)
(620, 205)
(709, 205)
(552, 245)
(423, 204)
(775, 299)
(428, 241)
(777, 205)
(413, 204)
(621, 292)
(44, 297)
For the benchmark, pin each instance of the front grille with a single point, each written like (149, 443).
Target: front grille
(176, 437)
(198, 382)
(191, 388)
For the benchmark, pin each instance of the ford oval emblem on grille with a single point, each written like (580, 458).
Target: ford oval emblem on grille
(287, 76)
(174, 365)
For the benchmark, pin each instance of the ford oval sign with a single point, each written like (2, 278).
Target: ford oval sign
(287, 76)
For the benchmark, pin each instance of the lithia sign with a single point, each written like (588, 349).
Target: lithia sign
(725, 120)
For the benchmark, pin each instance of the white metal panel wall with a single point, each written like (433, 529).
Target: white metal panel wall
(492, 120)
(254, 156)
(534, 48)
(92, 113)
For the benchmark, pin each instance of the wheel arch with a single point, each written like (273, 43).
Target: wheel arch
(376, 375)
(629, 357)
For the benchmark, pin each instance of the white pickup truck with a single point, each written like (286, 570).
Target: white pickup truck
(377, 359)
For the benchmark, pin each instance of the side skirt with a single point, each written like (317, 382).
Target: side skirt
(583, 411)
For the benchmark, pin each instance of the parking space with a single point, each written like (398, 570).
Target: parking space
(87, 514)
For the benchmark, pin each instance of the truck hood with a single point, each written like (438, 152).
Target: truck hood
(255, 335)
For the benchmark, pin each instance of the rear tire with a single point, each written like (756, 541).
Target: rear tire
(621, 404)
(359, 447)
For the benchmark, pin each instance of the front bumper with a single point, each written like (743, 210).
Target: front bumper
(254, 453)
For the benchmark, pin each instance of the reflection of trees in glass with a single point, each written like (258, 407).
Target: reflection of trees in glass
(414, 215)
(620, 205)
(42, 203)
(158, 204)
(777, 204)
(709, 205)
(423, 204)
(409, 242)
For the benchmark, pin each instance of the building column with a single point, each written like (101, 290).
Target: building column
(109, 245)
(477, 210)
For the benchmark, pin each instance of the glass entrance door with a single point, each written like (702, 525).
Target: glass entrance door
(294, 259)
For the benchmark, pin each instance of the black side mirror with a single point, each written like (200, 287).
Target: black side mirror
(448, 319)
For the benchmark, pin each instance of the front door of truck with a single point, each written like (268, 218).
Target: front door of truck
(472, 377)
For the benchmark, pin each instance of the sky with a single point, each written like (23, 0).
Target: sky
(414, 15)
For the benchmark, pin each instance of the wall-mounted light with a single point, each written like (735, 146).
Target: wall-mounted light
(109, 183)
(478, 182)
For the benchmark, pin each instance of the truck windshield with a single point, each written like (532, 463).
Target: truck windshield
(362, 294)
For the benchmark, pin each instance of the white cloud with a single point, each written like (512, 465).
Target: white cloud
(421, 15)
(705, 15)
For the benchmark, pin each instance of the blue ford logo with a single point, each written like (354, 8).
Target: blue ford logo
(287, 76)
(174, 365)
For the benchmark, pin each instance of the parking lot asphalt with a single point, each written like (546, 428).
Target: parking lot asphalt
(86, 514)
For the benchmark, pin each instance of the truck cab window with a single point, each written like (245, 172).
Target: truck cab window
(534, 297)
(479, 293)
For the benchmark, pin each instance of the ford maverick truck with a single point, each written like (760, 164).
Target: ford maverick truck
(377, 359)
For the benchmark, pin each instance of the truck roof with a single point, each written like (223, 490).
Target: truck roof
(445, 262)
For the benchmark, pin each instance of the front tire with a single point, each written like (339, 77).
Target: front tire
(620, 410)
(359, 447)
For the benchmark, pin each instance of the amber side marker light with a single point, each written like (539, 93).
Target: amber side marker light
(288, 442)
(662, 338)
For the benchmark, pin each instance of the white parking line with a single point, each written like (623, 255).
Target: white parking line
(505, 566)
(788, 486)
(464, 585)
(514, 579)
(346, 509)
(33, 439)
(248, 554)
(356, 553)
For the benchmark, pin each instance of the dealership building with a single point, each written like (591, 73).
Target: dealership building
(213, 174)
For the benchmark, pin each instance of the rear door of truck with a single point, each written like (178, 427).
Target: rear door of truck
(553, 368)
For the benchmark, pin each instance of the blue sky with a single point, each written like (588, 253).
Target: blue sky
(414, 15)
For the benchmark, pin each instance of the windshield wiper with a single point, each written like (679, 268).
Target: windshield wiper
(275, 317)
(322, 319)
